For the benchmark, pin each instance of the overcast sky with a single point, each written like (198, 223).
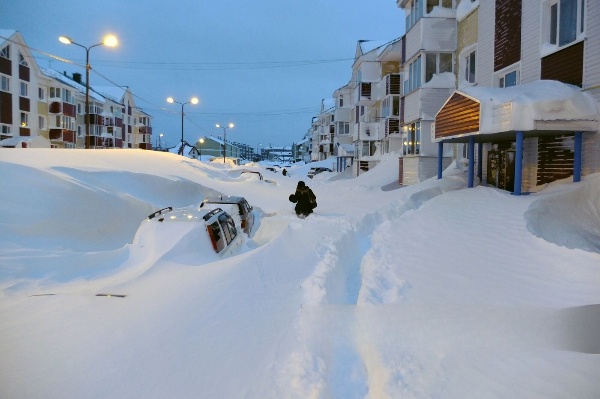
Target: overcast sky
(264, 65)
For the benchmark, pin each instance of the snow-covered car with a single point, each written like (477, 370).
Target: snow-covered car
(218, 226)
(315, 171)
(239, 208)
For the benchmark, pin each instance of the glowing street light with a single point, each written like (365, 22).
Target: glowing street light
(109, 41)
(230, 126)
(201, 141)
(194, 101)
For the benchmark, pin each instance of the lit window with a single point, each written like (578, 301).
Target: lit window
(24, 119)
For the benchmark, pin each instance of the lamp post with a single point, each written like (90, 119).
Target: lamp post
(230, 126)
(109, 41)
(194, 101)
(160, 136)
(257, 153)
(201, 141)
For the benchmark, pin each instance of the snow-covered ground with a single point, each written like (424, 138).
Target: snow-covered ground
(428, 291)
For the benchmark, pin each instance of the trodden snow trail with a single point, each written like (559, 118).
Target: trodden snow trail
(333, 338)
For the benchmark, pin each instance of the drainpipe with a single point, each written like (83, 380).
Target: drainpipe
(471, 161)
(480, 162)
(519, 164)
(577, 157)
(440, 157)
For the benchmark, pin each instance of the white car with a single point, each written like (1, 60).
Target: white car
(216, 226)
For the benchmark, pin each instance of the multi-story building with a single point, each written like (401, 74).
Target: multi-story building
(526, 108)
(20, 85)
(43, 107)
(323, 128)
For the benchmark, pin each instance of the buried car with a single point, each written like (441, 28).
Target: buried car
(218, 226)
(315, 171)
(238, 208)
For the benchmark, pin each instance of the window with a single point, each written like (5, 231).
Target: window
(437, 63)
(80, 108)
(564, 21)
(343, 128)
(390, 106)
(411, 139)
(4, 83)
(5, 129)
(470, 67)
(41, 93)
(80, 131)
(413, 81)
(55, 92)
(24, 89)
(24, 119)
(341, 102)
(67, 97)
(65, 122)
(5, 52)
(42, 122)
(22, 60)
(420, 7)
(509, 79)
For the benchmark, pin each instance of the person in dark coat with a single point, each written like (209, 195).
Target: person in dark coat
(304, 199)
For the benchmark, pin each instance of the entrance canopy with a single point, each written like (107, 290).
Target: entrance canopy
(540, 106)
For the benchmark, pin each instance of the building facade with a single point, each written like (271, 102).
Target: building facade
(38, 102)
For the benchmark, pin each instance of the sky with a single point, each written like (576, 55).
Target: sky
(430, 290)
(264, 65)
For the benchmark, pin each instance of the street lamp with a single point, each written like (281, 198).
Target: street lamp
(194, 101)
(230, 126)
(201, 141)
(160, 136)
(109, 41)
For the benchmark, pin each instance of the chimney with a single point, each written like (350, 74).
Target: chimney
(77, 77)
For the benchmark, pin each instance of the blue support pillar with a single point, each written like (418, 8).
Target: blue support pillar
(577, 157)
(471, 161)
(518, 164)
(440, 158)
(480, 162)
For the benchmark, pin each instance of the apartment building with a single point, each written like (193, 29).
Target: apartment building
(526, 108)
(323, 128)
(45, 108)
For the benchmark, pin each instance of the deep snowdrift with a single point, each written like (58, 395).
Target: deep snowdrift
(431, 290)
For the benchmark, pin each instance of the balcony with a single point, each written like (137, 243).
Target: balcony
(55, 107)
(392, 84)
(431, 34)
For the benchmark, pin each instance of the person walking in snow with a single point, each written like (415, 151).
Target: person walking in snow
(304, 199)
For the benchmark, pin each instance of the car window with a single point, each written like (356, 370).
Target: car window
(228, 226)
(214, 231)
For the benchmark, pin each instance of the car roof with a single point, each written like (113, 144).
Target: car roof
(185, 215)
(223, 199)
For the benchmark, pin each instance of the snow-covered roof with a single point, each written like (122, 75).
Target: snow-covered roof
(465, 8)
(115, 93)
(543, 105)
(542, 100)
(70, 82)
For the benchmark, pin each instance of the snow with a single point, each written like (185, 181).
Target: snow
(465, 8)
(542, 100)
(431, 290)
